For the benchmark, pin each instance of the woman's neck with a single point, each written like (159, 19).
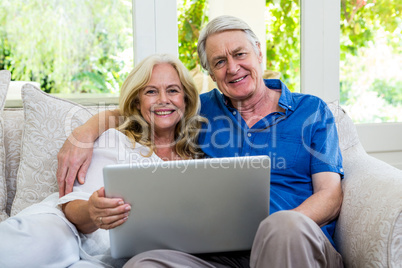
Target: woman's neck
(167, 154)
(165, 147)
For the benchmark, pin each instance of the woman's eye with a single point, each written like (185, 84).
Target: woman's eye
(150, 91)
(173, 90)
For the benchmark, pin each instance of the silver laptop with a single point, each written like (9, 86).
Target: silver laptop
(195, 206)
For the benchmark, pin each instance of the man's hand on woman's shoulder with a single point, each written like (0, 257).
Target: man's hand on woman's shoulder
(73, 159)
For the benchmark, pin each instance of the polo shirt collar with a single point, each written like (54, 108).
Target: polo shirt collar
(286, 99)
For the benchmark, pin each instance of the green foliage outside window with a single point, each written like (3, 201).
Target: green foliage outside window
(389, 90)
(192, 16)
(371, 59)
(370, 32)
(361, 19)
(74, 46)
(283, 40)
(82, 46)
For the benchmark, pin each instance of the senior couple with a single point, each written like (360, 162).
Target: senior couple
(160, 104)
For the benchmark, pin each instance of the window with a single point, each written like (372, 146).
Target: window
(75, 46)
(283, 41)
(320, 74)
(192, 16)
(371, 60)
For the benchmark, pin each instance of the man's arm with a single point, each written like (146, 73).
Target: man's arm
(325, 204)
(75, 155)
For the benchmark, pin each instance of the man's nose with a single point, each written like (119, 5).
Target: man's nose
(233, 67)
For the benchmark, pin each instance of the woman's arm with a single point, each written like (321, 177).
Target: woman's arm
(75, 155)
(97, 212)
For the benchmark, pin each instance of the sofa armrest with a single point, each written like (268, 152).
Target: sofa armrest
(369, 229)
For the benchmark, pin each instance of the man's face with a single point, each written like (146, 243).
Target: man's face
(235, 66)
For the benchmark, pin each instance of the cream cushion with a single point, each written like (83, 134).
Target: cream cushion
(5, 77)
(13, 126)
(371, 213)
(369, 229)
(47, 123)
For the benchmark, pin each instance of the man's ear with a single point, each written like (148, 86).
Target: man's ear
(260, 57)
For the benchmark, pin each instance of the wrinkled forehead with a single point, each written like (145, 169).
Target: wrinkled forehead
(227, 42)
(223, 36)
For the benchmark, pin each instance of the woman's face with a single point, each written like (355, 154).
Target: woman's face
(162, 102)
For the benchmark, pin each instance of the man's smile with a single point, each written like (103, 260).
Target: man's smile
(238, 80)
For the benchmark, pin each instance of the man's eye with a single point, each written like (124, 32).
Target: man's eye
(219, 63)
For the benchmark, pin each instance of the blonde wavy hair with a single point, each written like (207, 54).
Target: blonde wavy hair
(135, 126)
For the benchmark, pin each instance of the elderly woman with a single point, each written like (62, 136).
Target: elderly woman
(159, 105)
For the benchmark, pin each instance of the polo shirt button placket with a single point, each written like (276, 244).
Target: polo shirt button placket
(247, 144)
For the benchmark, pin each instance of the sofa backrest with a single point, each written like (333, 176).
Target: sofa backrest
(14, 126)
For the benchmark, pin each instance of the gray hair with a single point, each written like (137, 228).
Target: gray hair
(221, 24)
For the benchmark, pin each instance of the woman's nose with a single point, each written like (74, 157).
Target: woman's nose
(163, 97)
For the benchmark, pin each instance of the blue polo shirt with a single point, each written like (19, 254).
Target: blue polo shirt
(300, 141)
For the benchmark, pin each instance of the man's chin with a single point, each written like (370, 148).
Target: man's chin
(239, 98)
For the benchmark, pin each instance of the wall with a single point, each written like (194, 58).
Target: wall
(383, 141)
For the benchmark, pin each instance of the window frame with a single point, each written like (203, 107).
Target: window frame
(320, 48)
(154, 28)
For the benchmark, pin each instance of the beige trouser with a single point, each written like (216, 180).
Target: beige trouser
(284, 239)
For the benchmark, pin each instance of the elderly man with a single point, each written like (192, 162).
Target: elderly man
(254, 116)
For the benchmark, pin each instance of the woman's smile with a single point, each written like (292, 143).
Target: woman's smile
(164, 112)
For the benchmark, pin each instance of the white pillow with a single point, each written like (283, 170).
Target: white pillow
(13, 127)
(48, 122)
(5, 77)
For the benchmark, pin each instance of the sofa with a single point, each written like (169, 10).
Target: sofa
(369, 229)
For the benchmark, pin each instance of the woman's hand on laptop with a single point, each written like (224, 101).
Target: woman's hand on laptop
(107, 213)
